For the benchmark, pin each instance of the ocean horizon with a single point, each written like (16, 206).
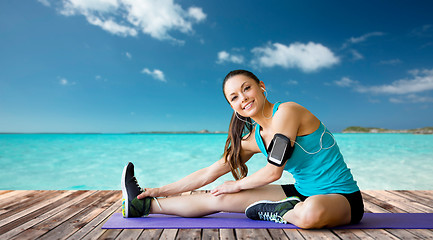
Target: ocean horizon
(90, 161)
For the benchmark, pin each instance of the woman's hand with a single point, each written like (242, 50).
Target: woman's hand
(149, 192)
(226, 187)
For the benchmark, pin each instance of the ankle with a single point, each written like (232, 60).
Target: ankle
(155, 206)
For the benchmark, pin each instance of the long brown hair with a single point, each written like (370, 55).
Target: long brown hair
(239, 127)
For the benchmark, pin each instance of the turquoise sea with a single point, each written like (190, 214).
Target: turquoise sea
(95, 161)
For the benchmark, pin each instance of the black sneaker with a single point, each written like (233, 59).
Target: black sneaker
(271, 211)
(131, 206)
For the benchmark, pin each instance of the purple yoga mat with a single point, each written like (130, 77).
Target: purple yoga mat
(239, 220)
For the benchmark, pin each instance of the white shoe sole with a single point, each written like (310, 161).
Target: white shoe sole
(125, 200)
(268, 201)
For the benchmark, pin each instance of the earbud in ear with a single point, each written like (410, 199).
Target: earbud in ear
(263, 89)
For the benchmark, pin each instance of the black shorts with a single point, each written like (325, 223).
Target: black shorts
(355, 201)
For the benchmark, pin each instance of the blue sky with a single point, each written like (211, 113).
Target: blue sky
(128, 65)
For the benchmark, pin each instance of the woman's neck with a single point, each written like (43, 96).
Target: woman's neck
(264, 116)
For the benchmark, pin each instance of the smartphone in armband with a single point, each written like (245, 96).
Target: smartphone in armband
(280, 150)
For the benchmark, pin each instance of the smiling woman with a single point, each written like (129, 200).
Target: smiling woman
(324, 194)
(240, 124)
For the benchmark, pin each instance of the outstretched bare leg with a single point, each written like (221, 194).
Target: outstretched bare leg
(197, 205)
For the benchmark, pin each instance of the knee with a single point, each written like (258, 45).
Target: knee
(222, 200)
(311, 216)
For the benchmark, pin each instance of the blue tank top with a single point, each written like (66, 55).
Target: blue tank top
(322, 173)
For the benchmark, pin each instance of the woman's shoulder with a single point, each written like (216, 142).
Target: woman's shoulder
(289, 108)
(289, 105)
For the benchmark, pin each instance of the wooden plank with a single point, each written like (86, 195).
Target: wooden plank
(422, 233)
(15, 201)
(150, 234)
(169, 234)
(210, 234)
(349, 234)
(25, 209)
(318, 234)
(399, 202)
(373, 208)
(5, 191)
(277, 234)
(52, 222)
(82, 217)
(80, 214)
(352, 234)
(11, 193)
(10, 199)
(380, 234)
(426, 205)
(409, 200)
(227, 234)
(403, 234)
(427, 195)
(404, 203)
(252, 234)
(35, 217)
(129, 234)
(189, 234)
(370, 205)
(27, 203)
(367, 195)
(293, 234)
(93, 229)
(110, 234)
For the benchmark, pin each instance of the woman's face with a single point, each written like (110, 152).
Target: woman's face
(244, 95)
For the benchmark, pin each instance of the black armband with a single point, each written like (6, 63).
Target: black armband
(280, 150)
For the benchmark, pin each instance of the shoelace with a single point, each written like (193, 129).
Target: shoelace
(269, 216)
(154, 198)
(136, 182)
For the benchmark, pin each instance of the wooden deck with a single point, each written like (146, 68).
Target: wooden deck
(81, 214)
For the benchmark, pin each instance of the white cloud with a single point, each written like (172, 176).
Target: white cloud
(111, 26)
(421, 81)
(88, 8)
(224, 56)
(156, 74)
(292, 82)
(128, 17)
(128, 55)
(405, 89)
(354, 40)
(45, 2)
(346, 82)
(356, 55)
(197, 13)
(365, 37)
(411, 98)
(65, 82)
(423, 31)
(308, 57)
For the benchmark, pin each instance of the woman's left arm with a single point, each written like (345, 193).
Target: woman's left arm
(286, 122)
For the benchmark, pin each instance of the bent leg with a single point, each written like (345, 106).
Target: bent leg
(197, 205)
(320, 211)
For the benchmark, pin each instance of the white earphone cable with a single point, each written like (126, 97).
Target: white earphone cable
(320, 143)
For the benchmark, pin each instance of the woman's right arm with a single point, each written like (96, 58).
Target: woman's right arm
(191, 182)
